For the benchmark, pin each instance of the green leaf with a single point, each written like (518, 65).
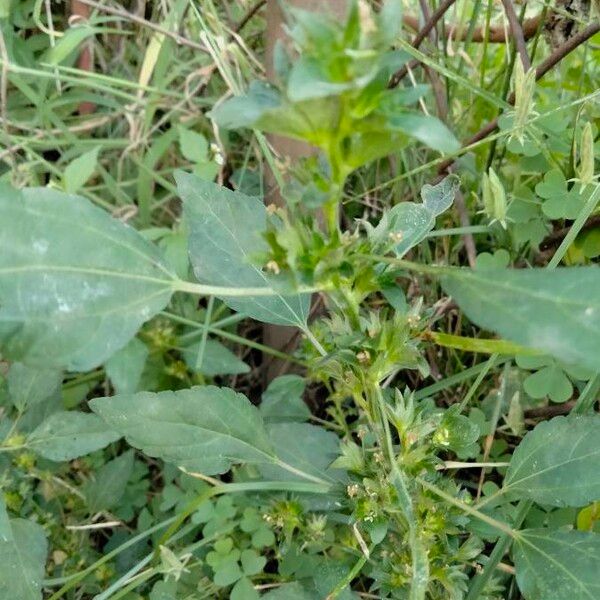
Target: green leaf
(554, 311)
(264, 108)
(290, 591)
(429, 130)
(225, 235)
(365, 146)
(80, 170)
(308, 81)
(390, 21)
(164, 590)
(108, 486)
(246, 110)
(557, 565)
(456, 432)
(71, 40)
(560, 202)
(193, 145)
(35, 415)
(549, 381)
(439, 198)
(307, 448)
(174, 247)
(498, 260)
(407, 222)
(23, 550)
(69, 434)
(30, 386)
(252, 562)
(125, 367)
(282, 400)
(203, 429)
(75, 284)
(479, 345)
(244, 590)
(556, 464)
(216, 360)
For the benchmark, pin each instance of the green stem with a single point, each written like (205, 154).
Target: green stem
(480, 580)
(420, 562)
(586, 400)
(234, 292)
(234, 338)
(579, 222)
(207, 320)
(499, 525)
(453, 380)
(347, 580)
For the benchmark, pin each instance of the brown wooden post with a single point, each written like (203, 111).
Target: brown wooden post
(85, 61)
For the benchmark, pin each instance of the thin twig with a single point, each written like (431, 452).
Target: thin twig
(543, 68)
(566, 48)
(118, 12)
(251, 12)
(497, 34)
(436, 82)
(552, 410)
(432, 22)
(463, 215)
(556, 237)
(91, 526)
(517, 33)
(421, 35)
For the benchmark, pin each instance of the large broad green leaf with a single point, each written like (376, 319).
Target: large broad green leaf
(555, 311)
(29, 386)
(557, 463)
(308, 448)
(23, 550)
(557, 565)
(203, 429)
(225, 236)
(67, 435)
(75, 284)
(208, 429)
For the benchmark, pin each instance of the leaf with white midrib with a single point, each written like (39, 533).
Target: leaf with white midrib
(205, 428)
(556, 463)
(555, 311)
(67, 435)
(75, 283)
(225, 234)
(557, 564)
